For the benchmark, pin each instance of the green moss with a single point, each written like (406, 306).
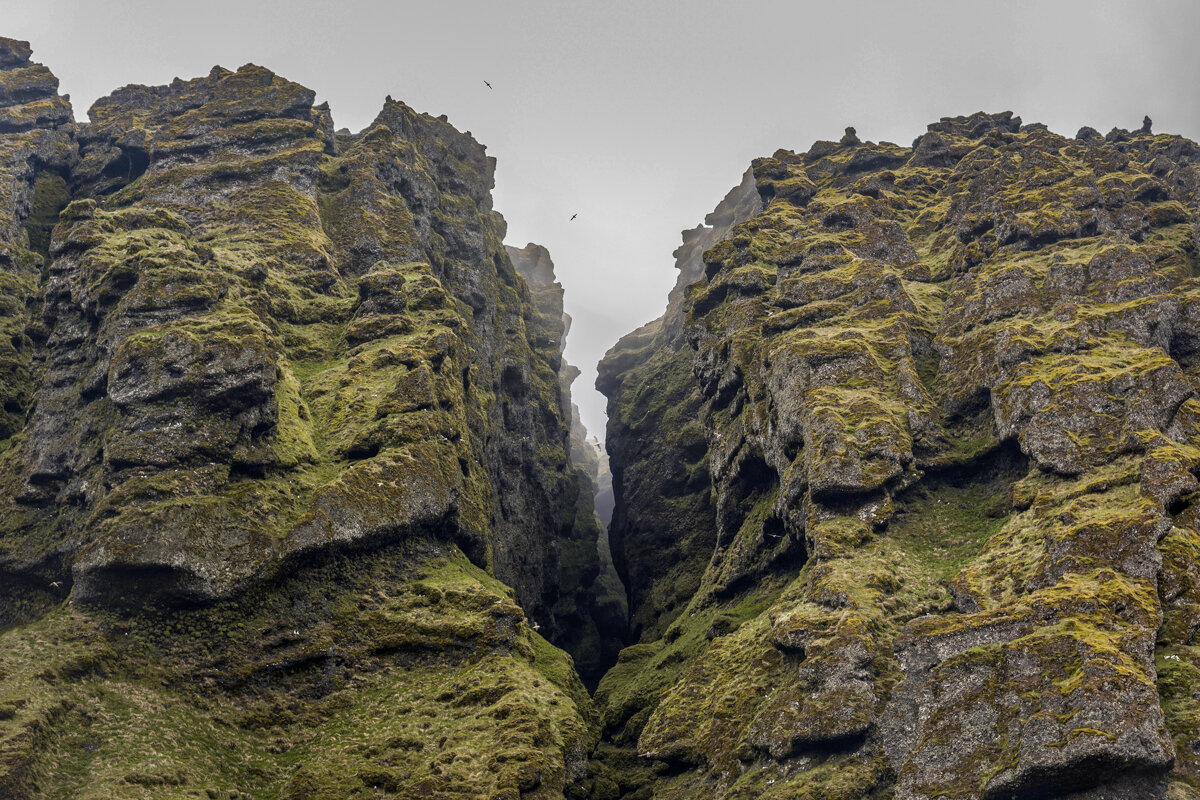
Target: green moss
(948, 526)
(240, 696)
(1178, 680)
(1085, 514)
(838, 777)
(702, 719)
(645, 671)
(50, 196)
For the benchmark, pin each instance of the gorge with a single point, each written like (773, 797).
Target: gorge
(294, 502)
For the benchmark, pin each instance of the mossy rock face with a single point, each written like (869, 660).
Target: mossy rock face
(947, 437)
(1050, 683)
(409, 672)
(37, 146)
(230, 288)
(247, 359)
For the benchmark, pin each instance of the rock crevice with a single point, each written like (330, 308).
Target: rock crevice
(294, 502)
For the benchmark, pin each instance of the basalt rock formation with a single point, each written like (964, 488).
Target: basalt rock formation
(285, 489)
(295, 505)
(906, 479)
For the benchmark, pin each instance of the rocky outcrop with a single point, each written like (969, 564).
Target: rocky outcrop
(194, 324)
(285, 446)
(942, 399)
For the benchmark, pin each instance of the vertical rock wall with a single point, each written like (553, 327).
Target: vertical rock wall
(662, 526)
(928, 504)
(36, 152)
(587, 609)
(285, 489)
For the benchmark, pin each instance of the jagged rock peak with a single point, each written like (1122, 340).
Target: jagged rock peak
(29, 96)
(468, 156)
(14, 53)
(535, 265)
(248, 116)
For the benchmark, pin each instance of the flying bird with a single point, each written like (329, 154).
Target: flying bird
(485, 83)
(573, 216)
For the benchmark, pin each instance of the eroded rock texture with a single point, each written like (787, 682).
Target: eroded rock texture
(662, 527)
(284, 476)
(911, 512)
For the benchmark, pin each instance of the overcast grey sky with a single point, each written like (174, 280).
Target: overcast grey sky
(639, 116)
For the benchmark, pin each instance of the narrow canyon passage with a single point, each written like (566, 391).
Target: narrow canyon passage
(897, 499)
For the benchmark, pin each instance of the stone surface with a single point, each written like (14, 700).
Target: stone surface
(193, 320)
(37, 148)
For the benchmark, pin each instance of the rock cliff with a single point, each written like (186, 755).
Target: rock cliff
(285, 491)
(905, 479)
